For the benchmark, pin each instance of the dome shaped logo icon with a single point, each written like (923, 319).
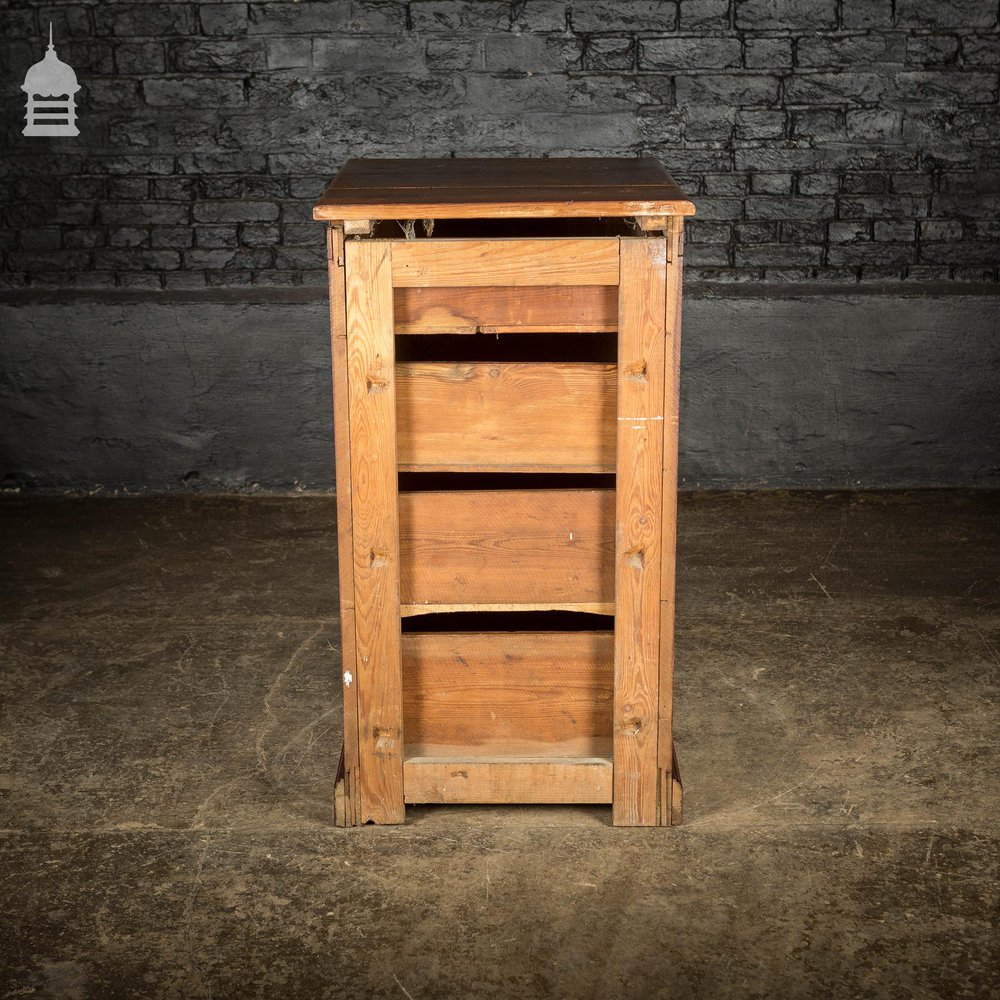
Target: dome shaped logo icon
(51, 85)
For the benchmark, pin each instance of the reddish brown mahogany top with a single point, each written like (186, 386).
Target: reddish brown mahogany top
(501, 188)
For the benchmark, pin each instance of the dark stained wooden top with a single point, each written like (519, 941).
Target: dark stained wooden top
(501, 188)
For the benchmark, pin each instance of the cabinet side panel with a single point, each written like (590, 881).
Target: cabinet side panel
(345, 560)
(638, 526)
(671, 407)
(371, 393)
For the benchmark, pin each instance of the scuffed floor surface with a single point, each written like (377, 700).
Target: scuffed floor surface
(171, 729)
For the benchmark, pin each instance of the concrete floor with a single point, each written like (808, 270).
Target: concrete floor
(171, 729)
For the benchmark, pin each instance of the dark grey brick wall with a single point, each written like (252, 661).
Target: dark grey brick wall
(823, 140)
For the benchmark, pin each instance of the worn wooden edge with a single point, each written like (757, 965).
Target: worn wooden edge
(411, 610)
(638, 528)
(346, 804)
(341, 412)
(504, 781)
(671, 402)
(409, 207)
(421, 329)
(502, 467)
(375, 536)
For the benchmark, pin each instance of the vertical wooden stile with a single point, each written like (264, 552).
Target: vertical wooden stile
(347, 798)
(638, 518)
(375, 520)
(669, 780)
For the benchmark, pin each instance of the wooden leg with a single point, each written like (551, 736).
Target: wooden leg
(371, 382)
(638, 520)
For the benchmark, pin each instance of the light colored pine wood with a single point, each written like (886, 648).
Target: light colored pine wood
(358, 227)
(592, 608)
(488, 689)
(638, 520)
(507, 546)
(671, 408)
(370, 351)
(507, 309)
(447, 263)
(501, 188)
(345, 562)
(500, 781)
(650, 223)
(494, 416)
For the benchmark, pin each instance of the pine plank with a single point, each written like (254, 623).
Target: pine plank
(370, 353)
(501, 188)
(543, 689)
(591, 608)
(641, 305)
(507, 309)
(345, 561)
(469, 547)
(668, 561)
(460, 263)
(499, 781)
(494, 416)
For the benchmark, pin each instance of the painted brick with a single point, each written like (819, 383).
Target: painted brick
(234, 115)
(456, 15)
(809, 14)
(680, 54)
(357, 55)
(945, 14)
(698, 15)
(609, 53)
(532, 53)
(224, 18)
(768, 53)
(235, 211)
(854, 50)
(294, 52)
(861, 14)
(733, 89)
(981, 50)
(145, 20)
(236, 56)
(204, 93)
(931, 50)
(453, 53)
(616, 15)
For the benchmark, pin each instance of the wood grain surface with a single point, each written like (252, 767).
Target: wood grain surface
(371, 374)
(466, 779)
(638, 522)
(547, 691)
(456, 188)
(497, 417)
(459, 263)
(470, 547)
(506, 309)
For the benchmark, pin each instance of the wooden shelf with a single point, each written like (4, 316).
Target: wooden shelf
(598, 608)
(469, 778)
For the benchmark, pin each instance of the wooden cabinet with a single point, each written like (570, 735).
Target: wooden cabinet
(506, 339)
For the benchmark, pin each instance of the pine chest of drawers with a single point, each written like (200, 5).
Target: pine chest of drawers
(506, 338)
